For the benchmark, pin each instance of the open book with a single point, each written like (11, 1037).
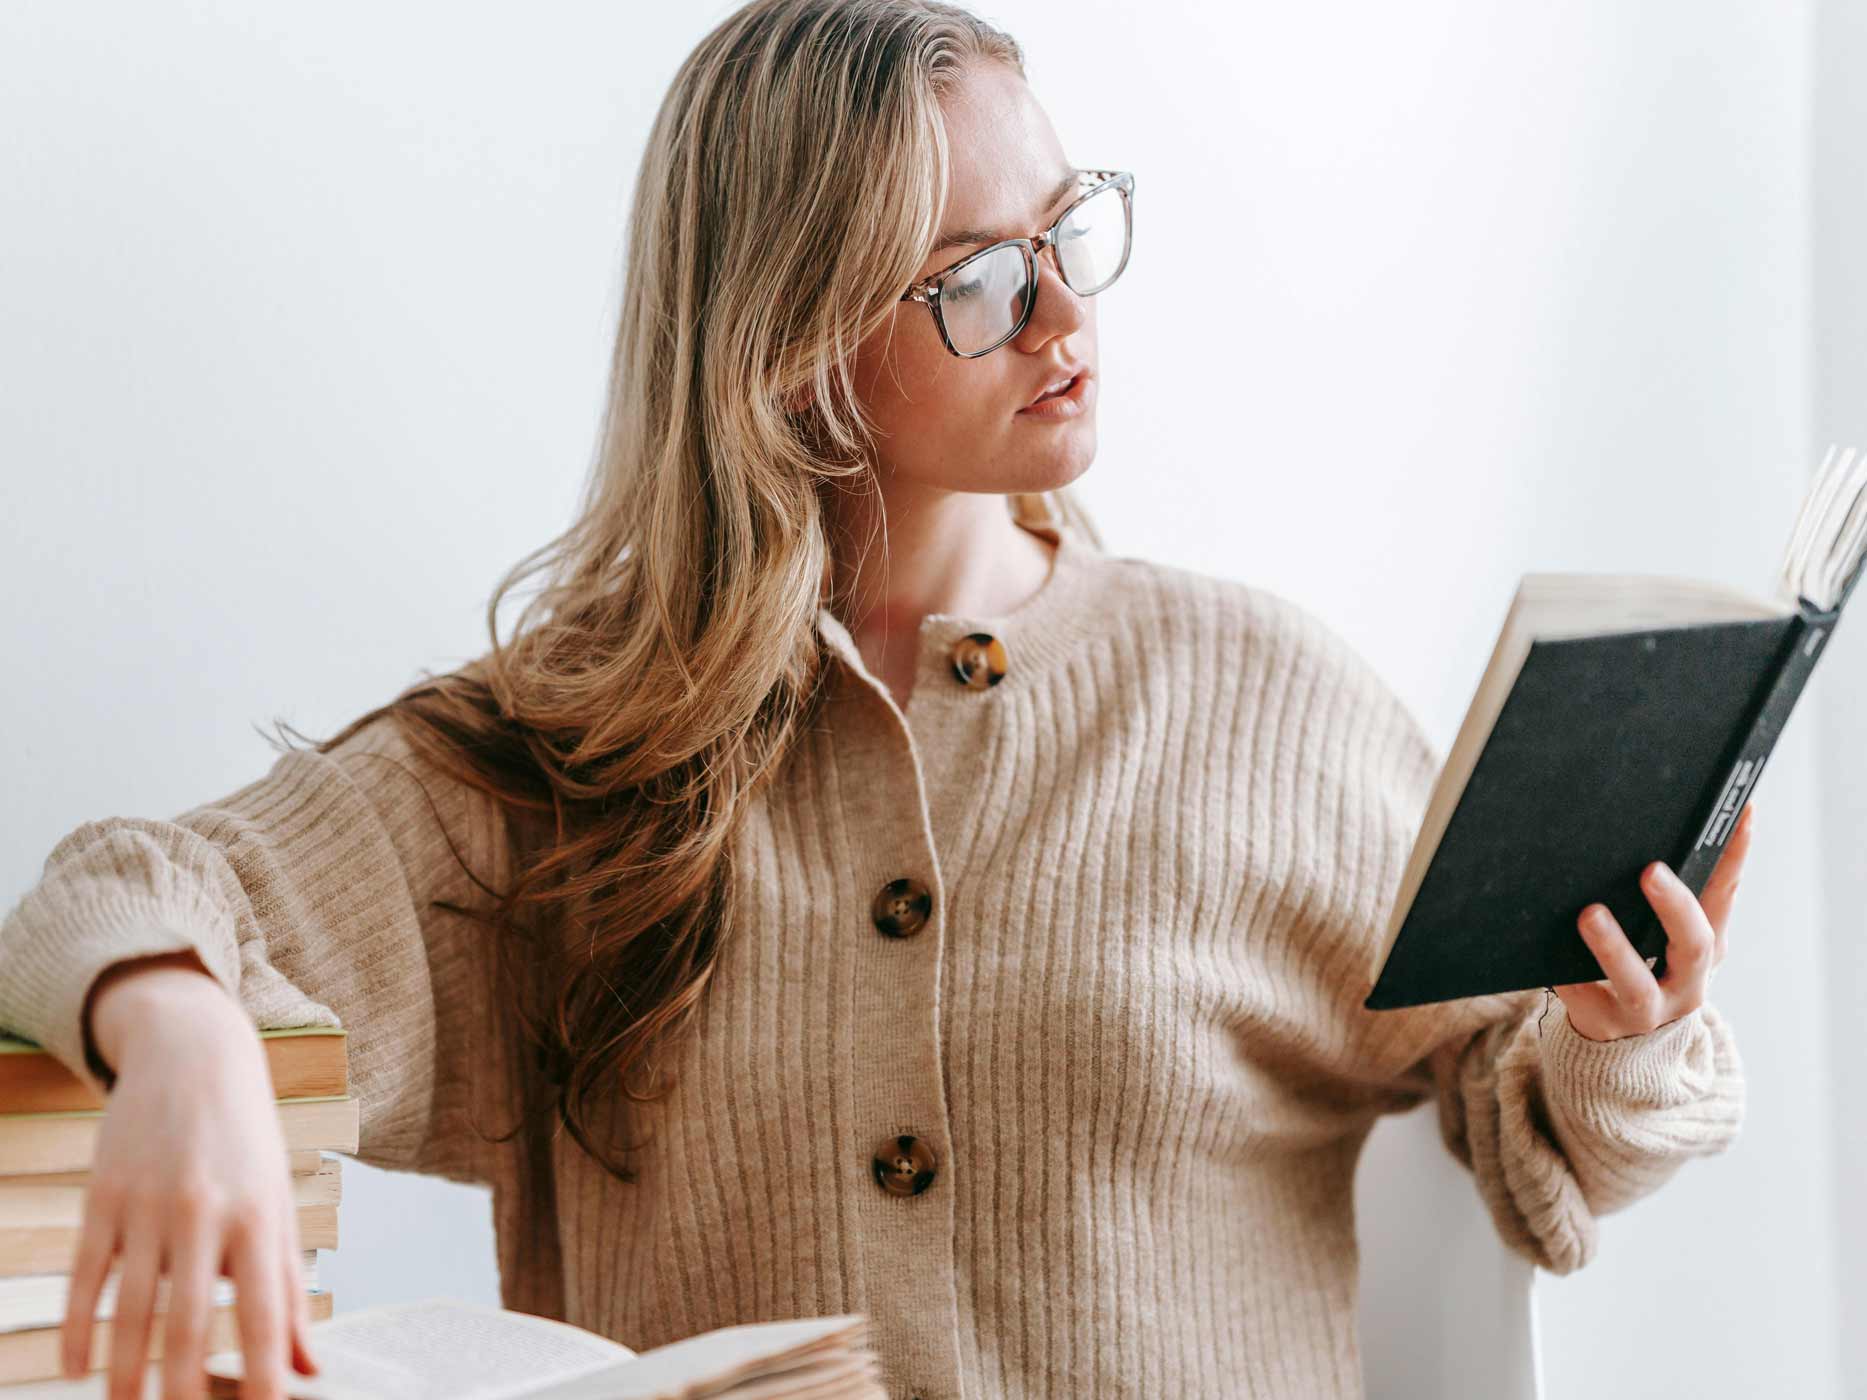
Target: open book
(1622, 719)
(447, 1349)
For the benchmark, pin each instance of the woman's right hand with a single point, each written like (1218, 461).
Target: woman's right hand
(191, 1179)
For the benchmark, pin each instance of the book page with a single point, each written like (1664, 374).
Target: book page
(853, 1374)
(710, 1363)
(440, 1349)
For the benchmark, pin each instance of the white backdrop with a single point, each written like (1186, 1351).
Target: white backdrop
(303, 321)
(1840, 278)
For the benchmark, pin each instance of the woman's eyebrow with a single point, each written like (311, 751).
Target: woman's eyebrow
(965, 237)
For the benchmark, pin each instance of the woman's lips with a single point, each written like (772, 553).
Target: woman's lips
(1068, 404)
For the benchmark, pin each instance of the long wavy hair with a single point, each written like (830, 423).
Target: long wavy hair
(790, 188)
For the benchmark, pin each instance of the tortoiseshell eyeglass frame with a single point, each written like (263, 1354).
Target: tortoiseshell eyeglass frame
(927, 290)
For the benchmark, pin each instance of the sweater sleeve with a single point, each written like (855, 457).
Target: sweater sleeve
(1557, 1129)
(305, 894)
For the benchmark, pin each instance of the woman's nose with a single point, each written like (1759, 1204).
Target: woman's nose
(1055, 298)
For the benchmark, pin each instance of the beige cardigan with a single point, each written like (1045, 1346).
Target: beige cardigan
(1079, 954)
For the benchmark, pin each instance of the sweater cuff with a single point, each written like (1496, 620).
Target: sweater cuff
(1663, 1067)
(49, 974)
(110, 892)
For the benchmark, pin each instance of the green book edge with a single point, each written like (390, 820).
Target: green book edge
(19, 1045)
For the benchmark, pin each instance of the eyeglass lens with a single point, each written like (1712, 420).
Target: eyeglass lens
(982, 301)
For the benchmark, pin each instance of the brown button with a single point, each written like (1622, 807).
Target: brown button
(901, 907)
(904, 1165)
(979, 660)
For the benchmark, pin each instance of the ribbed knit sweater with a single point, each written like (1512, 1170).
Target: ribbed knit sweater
(1110, 1022)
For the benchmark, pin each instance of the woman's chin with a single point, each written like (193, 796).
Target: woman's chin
(1052, 470)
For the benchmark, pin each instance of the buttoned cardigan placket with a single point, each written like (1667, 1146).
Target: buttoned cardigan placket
(905, 1215)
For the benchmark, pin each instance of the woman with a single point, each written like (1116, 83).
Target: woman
(906, 906)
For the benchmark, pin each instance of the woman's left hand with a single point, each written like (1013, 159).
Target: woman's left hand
(1632, 1001)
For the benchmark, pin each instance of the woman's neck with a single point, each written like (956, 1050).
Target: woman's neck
(945, 552)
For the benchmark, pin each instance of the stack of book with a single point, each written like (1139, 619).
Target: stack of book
(49, 1121)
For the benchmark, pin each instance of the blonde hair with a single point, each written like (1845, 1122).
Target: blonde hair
(789, 190)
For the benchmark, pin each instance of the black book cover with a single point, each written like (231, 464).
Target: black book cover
(1610, 752)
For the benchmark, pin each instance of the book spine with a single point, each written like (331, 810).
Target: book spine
(1802, 649)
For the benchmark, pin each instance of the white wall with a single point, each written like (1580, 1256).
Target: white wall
(1840, 402)
(304, 312)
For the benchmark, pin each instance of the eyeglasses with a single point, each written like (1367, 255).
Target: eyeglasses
(986, 298)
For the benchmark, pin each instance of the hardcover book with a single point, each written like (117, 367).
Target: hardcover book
(1621, 719)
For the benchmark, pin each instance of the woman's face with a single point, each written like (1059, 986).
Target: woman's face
(953, 423)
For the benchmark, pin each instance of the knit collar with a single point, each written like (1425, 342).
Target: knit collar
(1041, 633)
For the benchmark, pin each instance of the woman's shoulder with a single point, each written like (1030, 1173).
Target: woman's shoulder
(1260, 648)
(1187, 610)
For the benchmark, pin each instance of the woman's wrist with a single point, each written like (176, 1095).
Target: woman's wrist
(152, 991)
